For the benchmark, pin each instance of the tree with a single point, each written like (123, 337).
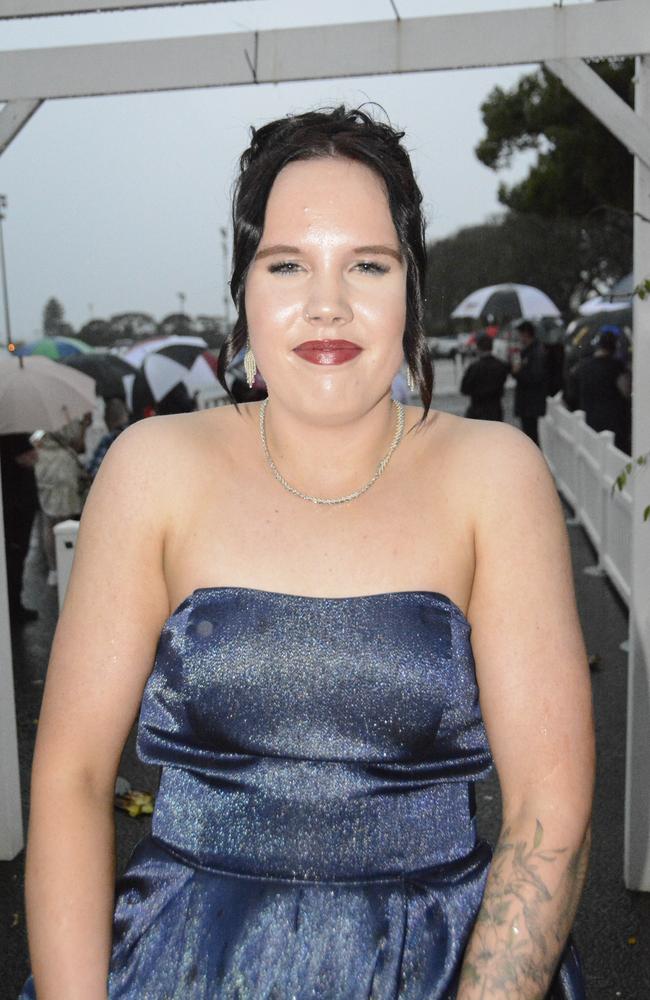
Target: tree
(581, 167)
(176, 324)
(563, 257)
(133, 326)
(53, 317)
(212, 329)
(98, 333)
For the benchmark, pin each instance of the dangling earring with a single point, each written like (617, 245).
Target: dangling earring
(410, 381)
(250, 366)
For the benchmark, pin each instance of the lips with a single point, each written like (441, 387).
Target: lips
(327, 352)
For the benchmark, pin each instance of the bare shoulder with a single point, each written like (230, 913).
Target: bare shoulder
(161, 446)
(496, 463)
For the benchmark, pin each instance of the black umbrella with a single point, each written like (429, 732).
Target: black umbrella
(107, 370)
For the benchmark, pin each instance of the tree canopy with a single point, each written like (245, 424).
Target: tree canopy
(564, 257)
(53, 317)
(581, 167)
(567, 228)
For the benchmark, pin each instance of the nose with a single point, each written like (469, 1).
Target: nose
(327, 303)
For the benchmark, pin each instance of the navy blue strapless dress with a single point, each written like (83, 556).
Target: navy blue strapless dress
(314, 832)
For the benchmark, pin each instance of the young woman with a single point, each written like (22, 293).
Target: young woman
(285, 592)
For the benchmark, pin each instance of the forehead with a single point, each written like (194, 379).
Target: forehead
(329, 193)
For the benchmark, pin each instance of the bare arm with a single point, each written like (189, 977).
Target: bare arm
(101, 656)
(536, 701)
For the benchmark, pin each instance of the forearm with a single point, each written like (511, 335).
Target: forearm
(69, 890)
(528, 907)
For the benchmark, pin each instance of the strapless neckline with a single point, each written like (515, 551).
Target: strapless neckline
(436, 595)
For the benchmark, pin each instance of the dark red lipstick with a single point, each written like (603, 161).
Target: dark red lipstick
(327, 352)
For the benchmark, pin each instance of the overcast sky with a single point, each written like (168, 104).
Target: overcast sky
(115, 203)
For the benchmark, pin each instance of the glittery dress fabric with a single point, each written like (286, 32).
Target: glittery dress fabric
(314, 832)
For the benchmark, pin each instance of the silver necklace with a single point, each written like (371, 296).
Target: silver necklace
(399, 430)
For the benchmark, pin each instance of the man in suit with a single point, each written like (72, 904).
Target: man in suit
(530, 372)
(603, 390)
(483, 382)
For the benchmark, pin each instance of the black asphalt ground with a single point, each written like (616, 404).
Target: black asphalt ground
(613, 925)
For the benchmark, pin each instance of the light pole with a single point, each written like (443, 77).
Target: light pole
(181, 299)
(224, 251)
(3, 268)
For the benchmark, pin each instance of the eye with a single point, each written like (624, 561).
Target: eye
(284, 267)
(372, 267)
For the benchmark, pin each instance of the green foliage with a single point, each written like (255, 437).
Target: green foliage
(580, 165)
(643, 290)
(564, 257)
(97, 333)
(626, 472)
(53, 318)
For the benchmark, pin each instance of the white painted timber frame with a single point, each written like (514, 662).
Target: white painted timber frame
(46, 8)
(562, 37)
(457, 41)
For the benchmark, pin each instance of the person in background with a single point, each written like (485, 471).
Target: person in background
(177, 400)
(483, 382)
(602, 388)
(116, 418)
(529, 370)
(62, 482)
(491, 327)
(19, 506)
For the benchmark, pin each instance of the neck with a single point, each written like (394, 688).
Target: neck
(329, 459)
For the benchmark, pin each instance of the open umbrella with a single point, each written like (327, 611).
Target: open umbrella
(618, 298)
(37, 393)
(506, 302)
(180, 363)
(108, 371)
(136, 354)
(55, 348)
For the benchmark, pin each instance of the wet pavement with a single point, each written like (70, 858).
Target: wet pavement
(612, 929)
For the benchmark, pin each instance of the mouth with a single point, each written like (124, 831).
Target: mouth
(327, 352)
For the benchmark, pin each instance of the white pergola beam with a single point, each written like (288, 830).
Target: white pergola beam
(45, 8)
(13, 116)
(610, 28)
(605, 104)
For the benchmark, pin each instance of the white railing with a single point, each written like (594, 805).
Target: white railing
(585, 464)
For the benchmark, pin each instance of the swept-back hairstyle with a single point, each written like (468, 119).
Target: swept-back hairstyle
(355, 135)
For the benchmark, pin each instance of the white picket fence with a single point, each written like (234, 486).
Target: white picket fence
(585, 464)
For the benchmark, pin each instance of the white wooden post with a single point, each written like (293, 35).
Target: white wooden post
(637, 783)
(11, 817)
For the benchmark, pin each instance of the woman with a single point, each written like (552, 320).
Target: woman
(62, 481)
(313, 699)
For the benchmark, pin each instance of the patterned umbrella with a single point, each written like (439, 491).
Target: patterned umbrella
(55, 348)
(136, 354)
(181, 363)
(506, 302)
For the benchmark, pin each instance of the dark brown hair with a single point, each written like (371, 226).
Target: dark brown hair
(355, 135)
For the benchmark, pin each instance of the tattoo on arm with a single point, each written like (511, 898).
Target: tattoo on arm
(522, 925)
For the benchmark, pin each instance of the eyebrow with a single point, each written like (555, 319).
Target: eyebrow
(377, 248)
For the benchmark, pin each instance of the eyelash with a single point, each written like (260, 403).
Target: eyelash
(369, 267)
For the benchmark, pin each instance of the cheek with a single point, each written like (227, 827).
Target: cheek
(383, 308)
(269, 309)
